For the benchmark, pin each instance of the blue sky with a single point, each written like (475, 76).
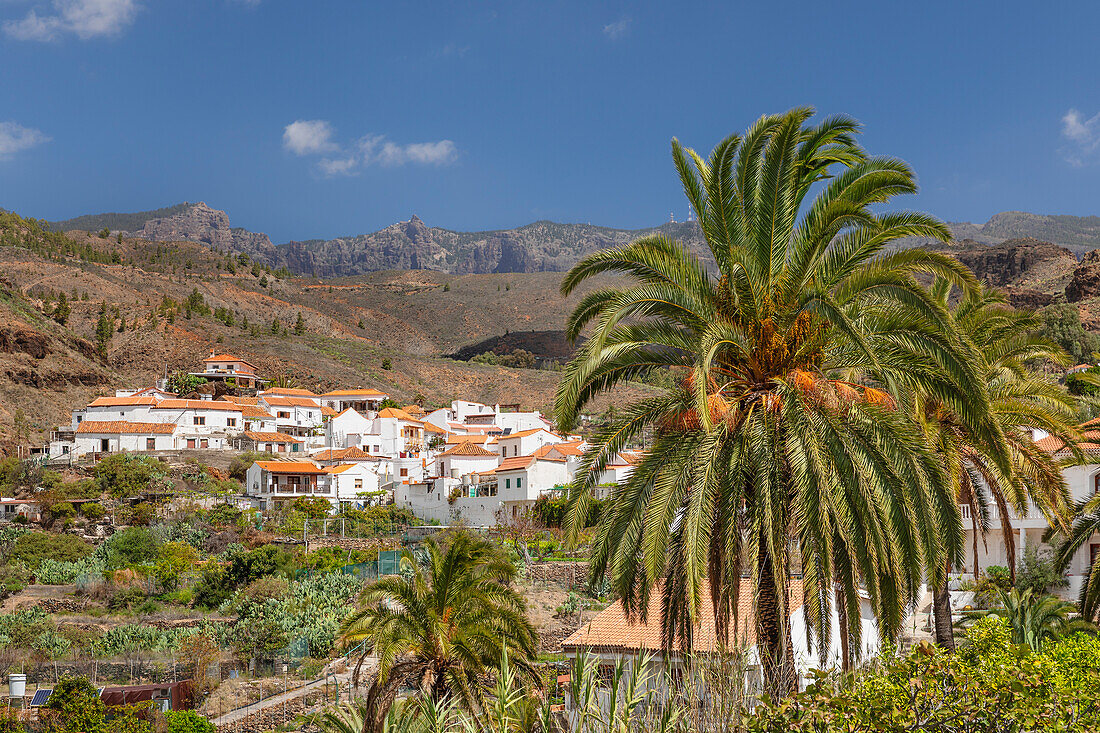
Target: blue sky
(326, 118)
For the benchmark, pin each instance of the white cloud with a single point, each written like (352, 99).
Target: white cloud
(306, 137)
(83, 18)
(15, 138)
(618, 29)
(314, 137)
(1083, 136)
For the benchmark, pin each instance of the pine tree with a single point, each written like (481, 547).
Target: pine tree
(103, 330)
(62, 311)
(299, 325)
(274, 326)
(122, 324)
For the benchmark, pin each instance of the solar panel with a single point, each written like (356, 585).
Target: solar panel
(40, 697)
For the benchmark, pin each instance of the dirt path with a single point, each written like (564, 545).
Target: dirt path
(32, 595)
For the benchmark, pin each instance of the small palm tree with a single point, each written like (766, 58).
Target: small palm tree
(440, 626)
(1034, 619)
(1002, 341)
(1085, 525)
(779, 448)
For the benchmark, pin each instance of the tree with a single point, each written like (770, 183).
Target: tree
(299, 325)
(183, 383)
(75, 707)
(104, 329)
(779, 448)
(1033, 619)
(62, 310)
(187, 721)
(1002, 468)
(440, 627)
(386, 363)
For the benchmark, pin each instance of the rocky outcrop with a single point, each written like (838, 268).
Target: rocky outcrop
(1085, 282)
(1010, 263)
(200, 223)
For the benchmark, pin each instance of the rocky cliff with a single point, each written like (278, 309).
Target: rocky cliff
(543, 246)
(200, 223)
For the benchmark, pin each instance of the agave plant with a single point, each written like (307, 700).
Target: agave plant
(780, 438)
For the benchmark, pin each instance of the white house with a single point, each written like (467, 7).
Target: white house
(271, 485)
(111, 436)
(200, 417)
(523, 479)
(136, 408)
(359, 399)
(299, 416)
(273, 442)
(611, 637)
(464, 459)
(257, 420)
(291, 392)
(617, 470)
(348, 429)
(524, 442)
(230, 368)
(350, 481)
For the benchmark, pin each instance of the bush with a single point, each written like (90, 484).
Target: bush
(1038, 573)
(93, 510)
(141, 514)
(187, 721)
(75, 707)
(34, 547)
(123, 475)
(126, 598)
(62, 510)
(131, 546)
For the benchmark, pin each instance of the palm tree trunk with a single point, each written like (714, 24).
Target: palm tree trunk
(845, 637)
(941, 610)
(773, 641)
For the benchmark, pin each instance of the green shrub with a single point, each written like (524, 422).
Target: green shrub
(126, 598)
(93, 510)
(75, 707)
(62, 510)
(131, 546)
(34, 547)
(187, 721)
(123, 475)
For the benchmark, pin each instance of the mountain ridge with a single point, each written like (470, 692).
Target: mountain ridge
(541, 246)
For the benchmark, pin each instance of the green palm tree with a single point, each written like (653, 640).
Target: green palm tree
(439, 627)
(1004, 340)
(1034, 619)
(780, 447)
(1085, 524)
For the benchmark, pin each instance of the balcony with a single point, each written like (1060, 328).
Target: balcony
(994, 514)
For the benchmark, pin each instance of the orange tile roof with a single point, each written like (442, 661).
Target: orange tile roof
(414, 409)
(239, 400)
(563, 449)
(466, 449)
(344, 454)
(1090, 442)
(453, 439)
(327, 411)
(275, 437)
(354, 393)
(132, 401)
(119, 427)
(288, 401)
(297, 467)
(429, 427)
(252, 411)
(398, 414)
(611, 630)
(227, 357)
(289, 392)
(339, 469)
(197, 405)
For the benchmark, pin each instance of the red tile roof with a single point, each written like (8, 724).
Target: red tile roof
(522, 433)
(288, 401)
(466, 448)
(354, 393)
(275, 437)
(289, 392)
(518, 463)
(611, 630)
(292, 467)
(327, 411)
(344, 454)
(398, 414)
(256, 412)
(239, 400)
(197, 405)
(119, 427)
(132, 401)
(227, 357)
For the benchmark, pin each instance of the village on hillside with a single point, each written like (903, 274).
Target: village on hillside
(466, 463)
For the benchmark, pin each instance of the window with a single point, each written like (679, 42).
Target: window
(404, 472)
(205, 443)
(231, 422)
(199, 420)
(507, 483)
(283, 415)
(282, 447)
(150, 444)
(519, 483)
(359, 484)
(1096, 483)
(515, 449)
(293, 447)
